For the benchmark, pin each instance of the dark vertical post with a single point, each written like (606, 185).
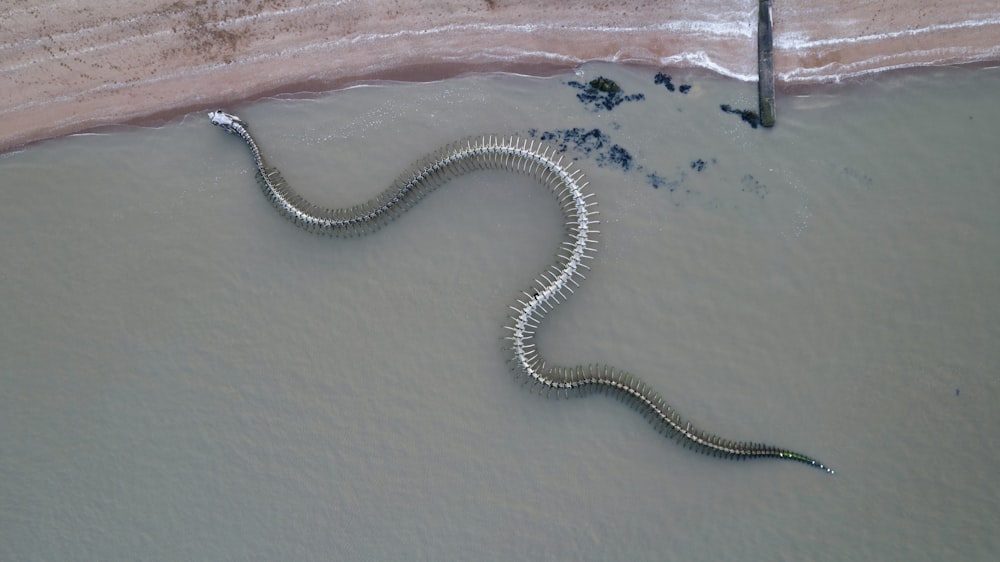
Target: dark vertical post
(765, 65)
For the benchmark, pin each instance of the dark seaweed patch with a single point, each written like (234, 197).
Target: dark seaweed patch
(603, 84)
(700, 164)
(861, 178)
(747, 115)
(588, 143)
(591, 143)
(583, 141)
(658, 181)
(668, 83)
(616, 156)
(603, 93)
(594, 144)
(664, 79)
(751, 185)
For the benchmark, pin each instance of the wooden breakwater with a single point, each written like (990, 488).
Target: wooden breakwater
(765, 65)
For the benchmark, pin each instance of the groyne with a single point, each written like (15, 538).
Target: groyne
(765, 64)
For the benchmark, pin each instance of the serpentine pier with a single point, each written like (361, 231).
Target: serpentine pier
(552, 286)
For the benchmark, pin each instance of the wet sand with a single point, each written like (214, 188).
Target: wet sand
(67, 66)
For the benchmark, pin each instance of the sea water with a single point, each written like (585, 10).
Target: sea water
(186, 375)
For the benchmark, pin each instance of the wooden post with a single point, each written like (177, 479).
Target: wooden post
(765, 65)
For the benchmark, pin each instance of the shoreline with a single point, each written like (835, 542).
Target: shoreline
(311, 89)
(67, 70)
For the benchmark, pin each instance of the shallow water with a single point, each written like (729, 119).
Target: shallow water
(188, 376)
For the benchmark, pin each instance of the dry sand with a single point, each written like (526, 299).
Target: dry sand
(71, 65)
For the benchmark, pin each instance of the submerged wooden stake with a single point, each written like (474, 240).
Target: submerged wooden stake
(765, 65)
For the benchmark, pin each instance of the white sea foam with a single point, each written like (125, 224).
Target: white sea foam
(130, 24)
(836, 72)
(71, 53)
(798, 41)
(694, 34)
(701, 59)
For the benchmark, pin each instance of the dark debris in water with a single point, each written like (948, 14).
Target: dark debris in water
(668, 83)
(658, 181)
(753, 186)
(596, 145)
(589, 143)
(700, 164)
(603, 93)
(616, 156)
(747, 115)
(664, 79)
(603, 84)
(860, 178)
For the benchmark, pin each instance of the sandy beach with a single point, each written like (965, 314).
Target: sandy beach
(67, 66)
